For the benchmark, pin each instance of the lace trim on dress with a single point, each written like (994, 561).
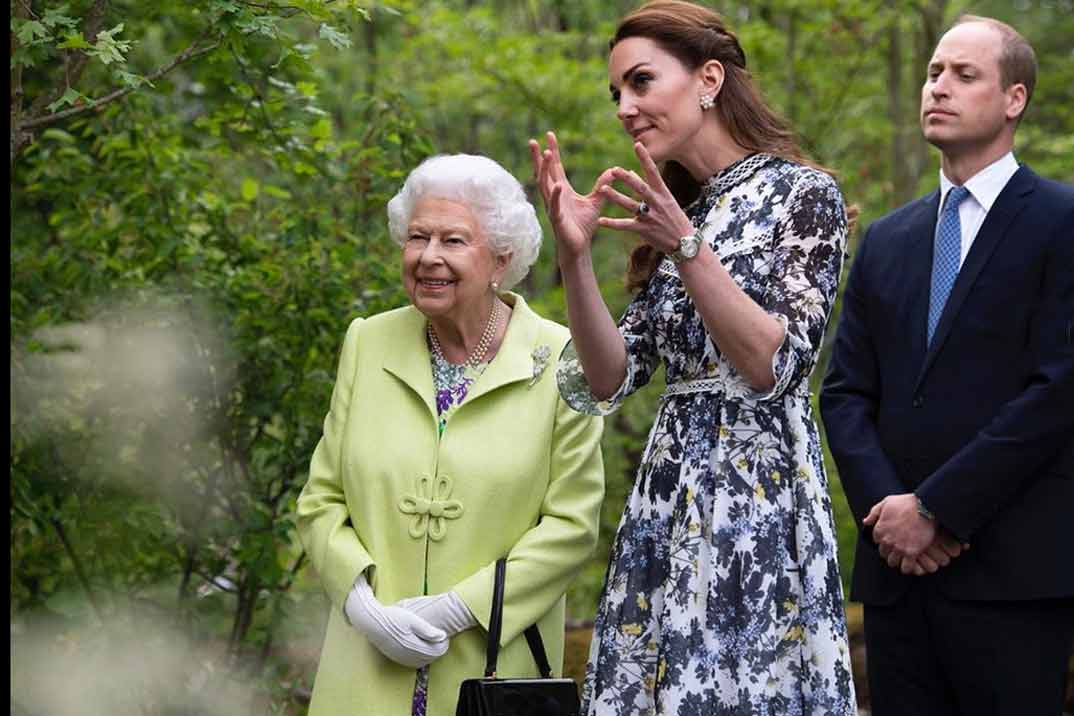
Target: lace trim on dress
(730, 176)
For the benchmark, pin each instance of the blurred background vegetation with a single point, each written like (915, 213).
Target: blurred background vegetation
(197, 212)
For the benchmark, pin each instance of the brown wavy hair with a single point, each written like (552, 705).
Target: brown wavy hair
(694, 35)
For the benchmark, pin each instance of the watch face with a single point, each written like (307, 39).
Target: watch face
(689, 246)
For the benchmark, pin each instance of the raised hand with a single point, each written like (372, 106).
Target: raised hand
(573, 215)
(664, 223)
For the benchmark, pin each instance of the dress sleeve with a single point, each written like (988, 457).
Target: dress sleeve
(642, 360)
(807, 261)
(324, 522)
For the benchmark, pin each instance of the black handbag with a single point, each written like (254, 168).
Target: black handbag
(490, 696)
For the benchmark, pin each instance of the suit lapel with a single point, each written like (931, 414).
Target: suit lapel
(995, 228)
(921, 228)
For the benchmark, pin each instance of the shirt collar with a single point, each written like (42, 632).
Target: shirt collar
(985, 185)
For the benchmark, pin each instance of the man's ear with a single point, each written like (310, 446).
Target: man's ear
(1017, 97)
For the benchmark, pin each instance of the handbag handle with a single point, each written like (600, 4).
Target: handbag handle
(533, 634)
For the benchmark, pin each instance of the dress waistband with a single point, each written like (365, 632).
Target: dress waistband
(726, 386)
(699, 385)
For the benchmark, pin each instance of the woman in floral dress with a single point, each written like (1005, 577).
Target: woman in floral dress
(723, 592)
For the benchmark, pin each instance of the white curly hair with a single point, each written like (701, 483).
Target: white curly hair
(496, 199)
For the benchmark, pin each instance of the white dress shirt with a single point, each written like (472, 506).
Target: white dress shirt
(984, 187)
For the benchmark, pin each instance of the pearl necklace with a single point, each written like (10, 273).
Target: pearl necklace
(482, 347)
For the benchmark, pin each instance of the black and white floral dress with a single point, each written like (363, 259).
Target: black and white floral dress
(723, 593)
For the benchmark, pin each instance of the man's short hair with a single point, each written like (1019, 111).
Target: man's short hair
(1017, 61)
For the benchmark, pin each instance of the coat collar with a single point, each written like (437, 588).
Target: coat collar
(514, 360)
(407, 353)
(995, 228)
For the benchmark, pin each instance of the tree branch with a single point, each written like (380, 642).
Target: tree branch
(57, 525)
(92, 26)
(27, 10)
(285, 10)
(189, 53)
(22, 11)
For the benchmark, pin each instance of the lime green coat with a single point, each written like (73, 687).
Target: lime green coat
(516, 473)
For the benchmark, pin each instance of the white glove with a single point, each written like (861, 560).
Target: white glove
(445, 611)
(399, 634)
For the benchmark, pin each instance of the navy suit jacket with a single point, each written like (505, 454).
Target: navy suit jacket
(980, 424)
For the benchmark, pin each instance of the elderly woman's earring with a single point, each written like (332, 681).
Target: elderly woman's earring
(495, 286)
(706, 101)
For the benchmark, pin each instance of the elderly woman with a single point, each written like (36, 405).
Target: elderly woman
(447, 446)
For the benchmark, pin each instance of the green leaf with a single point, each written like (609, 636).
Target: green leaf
(108, 49)
(209, 200)
(110, 34)
(71, 96)
(304, 50)
(132, 80)
(58, 134)
(334, 36)
(74, 41)
(57, 17)
(225, 6)
(264, 25)
(277, 192)
(24, 57)
(250, 189)
(31, 31)
(322, 129)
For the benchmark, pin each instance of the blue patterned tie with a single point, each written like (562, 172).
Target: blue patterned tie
(946, 251)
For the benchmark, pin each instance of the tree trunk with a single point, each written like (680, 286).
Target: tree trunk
(19, 139)
(932, 13)
(370, 33)
(902, 188)
(244, 614)
(792, 76)
(57, 525)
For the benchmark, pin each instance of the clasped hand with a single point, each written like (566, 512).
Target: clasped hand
(398, 633)
(575, 217)
(444, 611)
(412, 632)
(909, 541)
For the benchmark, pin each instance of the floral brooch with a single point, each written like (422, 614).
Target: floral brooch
(541, 354)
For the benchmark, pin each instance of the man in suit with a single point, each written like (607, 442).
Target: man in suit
(949, 408)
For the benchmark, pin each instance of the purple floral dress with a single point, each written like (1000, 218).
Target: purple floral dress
(451, 383)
